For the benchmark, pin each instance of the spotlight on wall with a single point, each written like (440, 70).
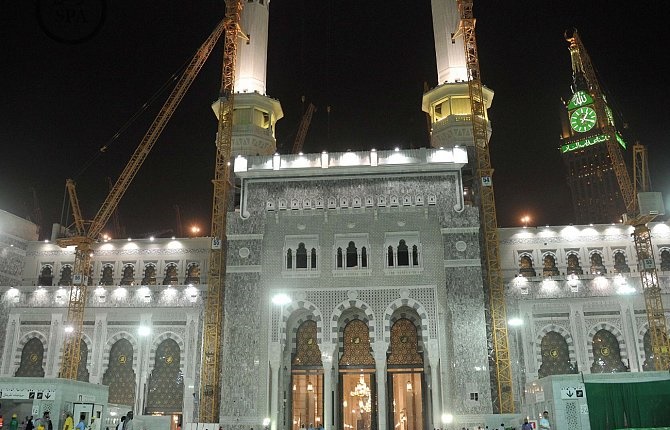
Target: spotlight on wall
(447, 418)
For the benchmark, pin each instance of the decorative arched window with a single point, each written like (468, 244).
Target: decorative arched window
(526, 266)
(665, 260)
(166, 382)
(555, 356)
(46, 276)
(32, 356)
(403, 250)
(352, 255)
(649, 354)
(573, 265)
(149, 274)
(120, 376)
(301, 257)
(597, 266)
(171, 275)
(620, 265)
(403, 253)
(107, 277)
(128, 275)
(192, 274)
(549, 265)
(65, 275)
(606, 353)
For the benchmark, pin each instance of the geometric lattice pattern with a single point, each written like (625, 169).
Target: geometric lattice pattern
(307, 348)
(606, 353)
(404, 345)
(555, 356)
(166, 382)
(357, 351)
(120, 376)
(31, 359)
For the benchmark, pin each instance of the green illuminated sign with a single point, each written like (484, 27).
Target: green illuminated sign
(580, 98)
(583, 143)
(620, 140)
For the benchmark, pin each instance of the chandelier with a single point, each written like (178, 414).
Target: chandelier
(363, 391)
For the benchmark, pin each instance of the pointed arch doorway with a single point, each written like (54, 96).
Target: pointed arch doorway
(405, 382)
(307, 379)
(358, 394)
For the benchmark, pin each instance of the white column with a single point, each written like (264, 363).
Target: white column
(628, 325)
(434, 360)
(11, 340)
(143, 367)
(190, 355)
(380, 349)
(274, 352)
(579, 338)
(55, 346)
(327, 392)
(99, 341)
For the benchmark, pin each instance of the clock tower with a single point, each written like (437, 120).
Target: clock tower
(596, 197)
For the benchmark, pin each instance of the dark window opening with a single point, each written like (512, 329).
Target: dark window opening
(313, 258)
(289, 259)
(339, 258)
(403, 254)
(390, 256)
(301, 257)
(415, 256)
(352, 255)
(364, 257)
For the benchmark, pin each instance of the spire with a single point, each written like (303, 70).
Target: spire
(579, 81)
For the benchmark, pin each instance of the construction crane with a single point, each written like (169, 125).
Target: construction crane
(86, 233)
(212, 336)
(483, 186)
(302, 129)
(631, 193)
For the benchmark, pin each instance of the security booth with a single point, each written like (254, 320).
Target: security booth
(27, 396)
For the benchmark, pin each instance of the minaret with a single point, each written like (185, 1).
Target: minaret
(448, 104)
(255, 114)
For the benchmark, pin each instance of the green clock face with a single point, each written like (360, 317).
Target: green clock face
(583, 119)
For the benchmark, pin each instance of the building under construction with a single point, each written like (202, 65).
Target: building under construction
(363, 290)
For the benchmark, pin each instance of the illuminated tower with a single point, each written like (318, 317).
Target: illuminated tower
(448, 104)
(596, 197)
(255, 113)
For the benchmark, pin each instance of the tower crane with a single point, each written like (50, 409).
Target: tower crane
(632, 192)
(484, 188)
(86, 233)
(302, 129)
(212, 333)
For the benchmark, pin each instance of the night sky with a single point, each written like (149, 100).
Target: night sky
(61, 101)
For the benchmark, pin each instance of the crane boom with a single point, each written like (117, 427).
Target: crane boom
(84, 239)
(212, 336)
(484, 186)
(658, 330)
(302, 130)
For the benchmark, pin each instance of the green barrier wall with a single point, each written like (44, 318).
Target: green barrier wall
(641, 405)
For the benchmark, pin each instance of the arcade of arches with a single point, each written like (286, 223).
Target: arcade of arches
(354, 400)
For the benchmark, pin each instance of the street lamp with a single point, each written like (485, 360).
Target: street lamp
(525, 220)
